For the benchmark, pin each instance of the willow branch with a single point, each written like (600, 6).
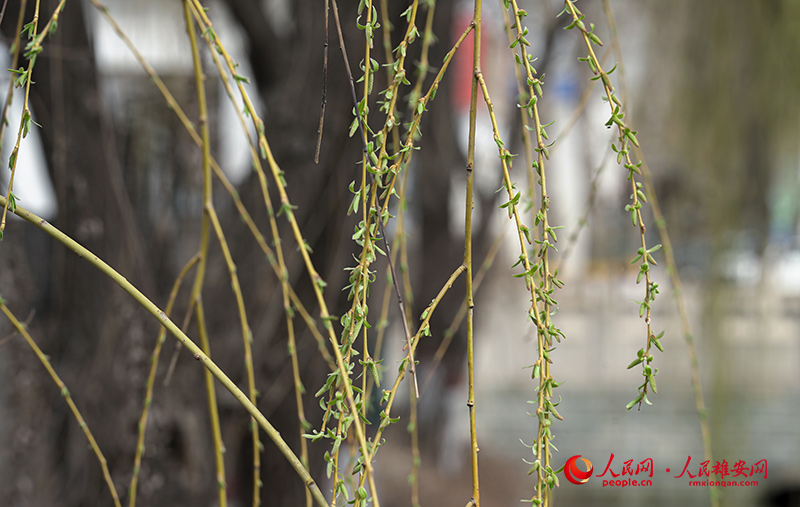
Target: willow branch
(187, 342)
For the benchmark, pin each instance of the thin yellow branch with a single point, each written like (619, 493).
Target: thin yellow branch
(20, 327)
(197, 289)
(473, 113)
(193, 348)
(151, 379)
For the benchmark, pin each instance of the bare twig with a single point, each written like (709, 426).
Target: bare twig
(20, 327)
(473, 117)
(324, 86)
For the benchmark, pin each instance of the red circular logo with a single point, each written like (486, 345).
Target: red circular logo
(576, 475)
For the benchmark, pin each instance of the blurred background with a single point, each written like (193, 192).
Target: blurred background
(711, 87)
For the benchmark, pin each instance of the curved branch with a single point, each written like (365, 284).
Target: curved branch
(187, 342)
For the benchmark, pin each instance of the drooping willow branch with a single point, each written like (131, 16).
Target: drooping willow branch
(187, 342)
(627, 141)
(20, 327)
(205, 239)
